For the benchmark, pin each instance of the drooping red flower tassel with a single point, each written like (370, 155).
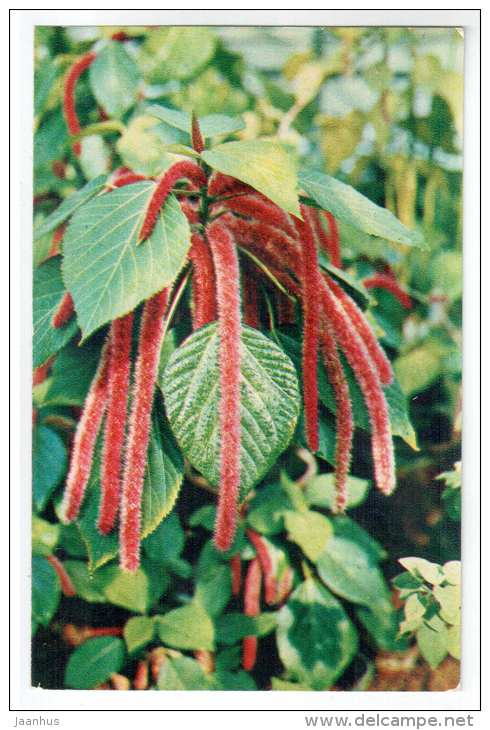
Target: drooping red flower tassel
(85, 438)
(141, 675)
(149, 344)
(119, 372)
(266, 564)
(197, 138)
(251, 607)
(40, 373)
(331, 243)
(65, 311)
(286, 313)
(219, 184)
(367, 335)
(190, 210)
(311, 324)
(56, 240)
(203, 282)
(69, 108)
(236, 574)
(228, 300)
(388, 282)
(183, 169)
(259, 207)
(67, 587)
(343, 417)
(369, 382)
(128, 178)
(265, 238)
(251, 315)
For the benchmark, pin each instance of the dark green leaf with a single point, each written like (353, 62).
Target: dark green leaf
(72, 374)
(88, 587)
(94, 661)
(46, 591)
(49, 462)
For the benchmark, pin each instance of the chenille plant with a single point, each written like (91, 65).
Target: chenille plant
(206, 355)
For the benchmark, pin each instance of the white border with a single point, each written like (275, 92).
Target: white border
(26, 698)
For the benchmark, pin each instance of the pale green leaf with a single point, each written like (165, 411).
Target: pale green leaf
(114, 79)
(128, 590)
(189, 627)
(310, 530)
(138, 632)
(432, 645)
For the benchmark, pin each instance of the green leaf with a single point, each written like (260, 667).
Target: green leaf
(381, 621)
(45, 536)
(183, 673)
(449, 599)
(419, 567)
(267, 509)
(269, 402)
(176, 52)
(320, 491)
(233, 627)
(49, 462)
(144, 146)
(348, 571)
(189, 627)
(69, 206)
(315, 638)
(265, 165)
(346, 527)
(72, 373)
(114, 79)
(138, 632)
(420, 367)
(128, 590)
(211, 125)
(105, 270)
(166, 543)
(310, 530)
(354, 288)
(453, 641)
(46, 591)
(213, 584)
(94, 661)
(349, 206)
(48, 290)
(88, 587)
(432, 645)
(95, 157)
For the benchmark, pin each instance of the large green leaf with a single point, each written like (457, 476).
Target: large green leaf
(349, 206)
(49, 461)
(94, 661)
(46, 590)
(265, 165)
(315, 637)
(348, 571)
(189, 627)
(176, 52)
(114, 79)
(269, 402)
(211, 125)
(48, 292)
(72, 373)
(128, 590)
(105, 270)
(69, 206)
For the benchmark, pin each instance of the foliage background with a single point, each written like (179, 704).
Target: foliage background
(380, 109)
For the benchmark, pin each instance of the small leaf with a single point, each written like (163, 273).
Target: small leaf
(69, 206)
(452, 572)
(105, 270)
(128, 590)
(310, 530)
(176, 52)
(49, 462)
(315, 638)
(269, 403)
(166, 543)
(183, 673)
(419, 567)
(350, 530)
(449, 599)
(211, 125)
(114, 79)
(138, 632)
(213, 584)
(347, 570)
(48, 292)
(432, 645)
(189, 627)
(45, 536)
(453, 641)
(266, 166)
(320, 491)
(267, 509)
(94, 662)
(88, 587)
(381, 622)
(46, 591)
(349, 206)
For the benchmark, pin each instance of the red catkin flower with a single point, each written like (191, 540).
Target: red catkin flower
(190, 210)
(206, 659)
(311, 322)
(197, 138)
(67, 587)
(40, 373)
(344, 420)
(56, 240)
(203, 282)
(59, 169)
(367, 335)
(385, 281)
(141, 676)
(228, 300)
(259, 207)
(119, 36)
(85, 438)
(150, 341)
(285, 586)
(267, 566)
(268, 239)
(127, 179)
(236, 574)
(119, 373)
(65, 311)
(251, 600)
(69, 108)
(184, 169)
(219, 184)
(369, 382)
(286, 313)
(332, 242)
